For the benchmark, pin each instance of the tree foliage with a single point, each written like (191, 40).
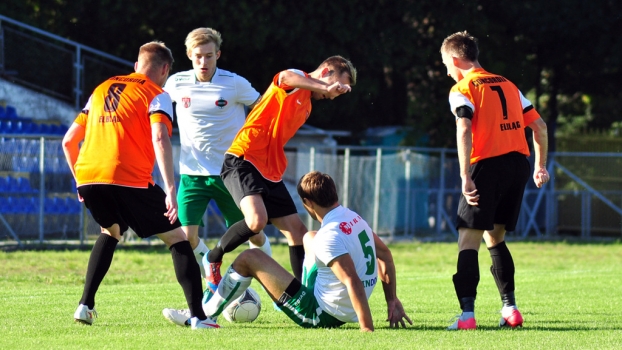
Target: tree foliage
(553, 48)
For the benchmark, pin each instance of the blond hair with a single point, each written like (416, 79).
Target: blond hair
(201, 36)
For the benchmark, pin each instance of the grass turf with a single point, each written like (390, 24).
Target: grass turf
(569, 294)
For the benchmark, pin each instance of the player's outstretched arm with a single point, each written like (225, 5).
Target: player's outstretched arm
(386, 272)
(164, 155)
(541, 147)
(295, 80)
(343, 268)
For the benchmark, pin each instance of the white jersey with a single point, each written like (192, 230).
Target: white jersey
(209, 115)
(343, 232)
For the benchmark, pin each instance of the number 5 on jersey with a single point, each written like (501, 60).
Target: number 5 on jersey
(368, 251)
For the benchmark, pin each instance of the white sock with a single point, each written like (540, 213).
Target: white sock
(199, 251)
(506, 310)
(266, 248)
(230, 288)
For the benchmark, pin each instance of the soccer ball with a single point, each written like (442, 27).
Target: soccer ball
(245, 308)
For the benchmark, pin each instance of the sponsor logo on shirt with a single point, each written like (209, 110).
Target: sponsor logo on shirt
(182, 78)
(510, 126)
(370, 282)
(488, 80)
(345, 228)
(186, 102)
(221, 103)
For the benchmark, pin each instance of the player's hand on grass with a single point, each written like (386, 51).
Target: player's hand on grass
(541, 176)
(396, 314)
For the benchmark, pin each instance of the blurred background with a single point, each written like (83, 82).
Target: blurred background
(565, 56)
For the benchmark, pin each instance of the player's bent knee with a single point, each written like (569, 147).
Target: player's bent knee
(257, 224)
(246, 260)
(172, 237)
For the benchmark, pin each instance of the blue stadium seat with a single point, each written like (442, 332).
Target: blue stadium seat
(50, 205)
(4, 184)
(27, 164)
(5, 207)
(30, 205)
(23, 185)
(72, 205)
(12, 185)
(44, 128)
(61, 206)
(19, 205)
(54, 129)
(2, 112)
(11, 112)
(6, 127)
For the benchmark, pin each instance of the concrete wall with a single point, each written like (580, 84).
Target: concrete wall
(35, 105)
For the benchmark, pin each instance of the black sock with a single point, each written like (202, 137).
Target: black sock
(466, 279)
(296, 259)
(502, 270)
(188, 275)
(235, 236)
(99, 263)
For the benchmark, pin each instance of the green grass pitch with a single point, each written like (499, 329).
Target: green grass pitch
(570, 295)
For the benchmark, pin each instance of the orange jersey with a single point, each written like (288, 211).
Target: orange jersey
(500, 114)
(117, 146)
(269, 126)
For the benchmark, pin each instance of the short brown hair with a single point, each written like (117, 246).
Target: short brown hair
(341, 66)
(155, 53)
(201, 36)
(462, 45)
(319, 188)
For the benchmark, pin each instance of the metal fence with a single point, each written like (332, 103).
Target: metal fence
(70, 71)
(404, 193)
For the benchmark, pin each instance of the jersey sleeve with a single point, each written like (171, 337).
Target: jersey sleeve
(529, 113)
(84, 114)
(169, 87)
(459, 99)
(277, 79)
(327, 246)
(246, 94)
(161, 111)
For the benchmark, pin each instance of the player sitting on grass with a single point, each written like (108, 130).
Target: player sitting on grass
(343, 262)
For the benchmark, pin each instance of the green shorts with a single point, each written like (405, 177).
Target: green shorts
(303, 308)
(195, 193)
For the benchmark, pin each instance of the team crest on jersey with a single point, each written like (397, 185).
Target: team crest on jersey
(186, 102)
(221, 103)
(345, 228)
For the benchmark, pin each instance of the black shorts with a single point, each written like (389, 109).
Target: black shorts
(242, 179)
(500, 183)
(142, 209)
